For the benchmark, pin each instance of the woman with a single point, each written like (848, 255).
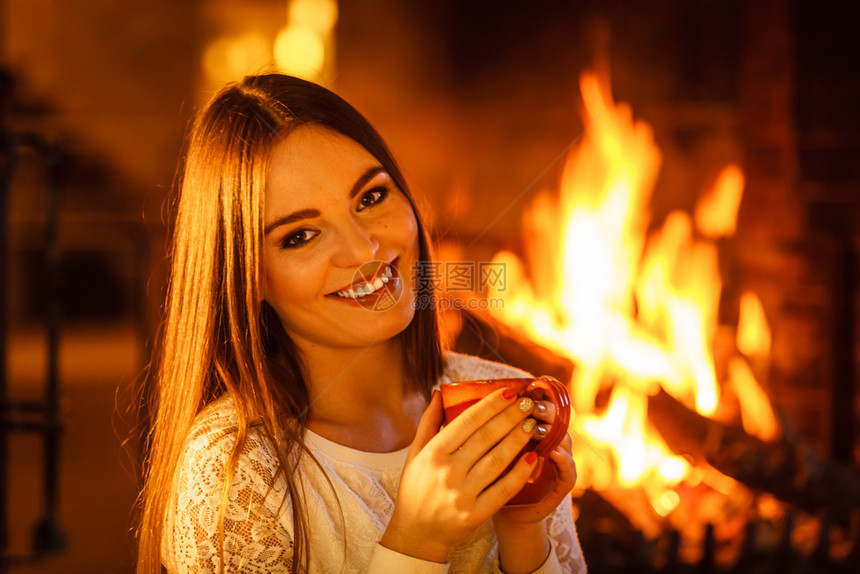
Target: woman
(295, 426)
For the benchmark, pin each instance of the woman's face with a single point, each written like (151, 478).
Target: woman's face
(340, 245)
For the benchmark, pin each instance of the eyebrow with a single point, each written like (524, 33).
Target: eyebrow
(311, 213)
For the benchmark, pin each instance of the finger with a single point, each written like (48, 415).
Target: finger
(490, 466)
(567, 443)
(545, 414)
(545, 411)
(493, 431)
(476, 416)
(495, 496)
(566, 467)
(428, 426)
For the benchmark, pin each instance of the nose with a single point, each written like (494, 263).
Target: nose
(358, 244)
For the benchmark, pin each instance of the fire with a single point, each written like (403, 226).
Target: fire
(753, 333)
(636, 311)
(757, 415)
(716, 212)
(753, 340)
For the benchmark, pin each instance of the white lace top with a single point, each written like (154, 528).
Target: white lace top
(258, 524)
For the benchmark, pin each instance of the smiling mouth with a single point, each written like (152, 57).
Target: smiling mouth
(370, 282)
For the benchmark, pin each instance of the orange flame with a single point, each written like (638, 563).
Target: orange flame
(717, 212)
(753, 333)
(757, 414)
(634, 311)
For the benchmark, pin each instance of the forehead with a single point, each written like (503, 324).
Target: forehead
(312, 158)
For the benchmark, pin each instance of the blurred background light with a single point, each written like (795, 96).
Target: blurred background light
(300, 52)
(230, 58)
(317, 15)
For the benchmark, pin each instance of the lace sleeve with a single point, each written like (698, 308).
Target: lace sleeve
(566, 555)
(255, 541)
(562, 534)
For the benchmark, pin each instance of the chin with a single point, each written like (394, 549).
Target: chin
(392, 327)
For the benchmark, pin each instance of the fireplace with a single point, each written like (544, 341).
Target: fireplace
(758, 87)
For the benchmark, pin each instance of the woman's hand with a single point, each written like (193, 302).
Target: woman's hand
(449, 487)
(521, 530)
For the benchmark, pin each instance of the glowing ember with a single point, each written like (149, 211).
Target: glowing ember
(635, 311)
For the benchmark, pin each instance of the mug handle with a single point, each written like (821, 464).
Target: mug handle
(561, 399)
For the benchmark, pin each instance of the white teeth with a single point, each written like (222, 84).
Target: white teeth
(367, 288)
(361, 290)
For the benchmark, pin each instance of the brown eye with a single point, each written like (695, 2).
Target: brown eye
(372, 197)
(298, 238)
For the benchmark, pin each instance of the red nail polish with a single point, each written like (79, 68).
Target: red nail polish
(531, 458)
(508, 394)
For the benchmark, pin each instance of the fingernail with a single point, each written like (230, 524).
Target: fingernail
(529, 425)
(541, 408)
(526, 405)
(541, 431)
(508, 394)
(531, 458)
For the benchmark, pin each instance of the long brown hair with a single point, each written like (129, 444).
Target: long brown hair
(217, 335)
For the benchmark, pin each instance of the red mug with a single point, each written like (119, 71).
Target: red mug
(457, 397)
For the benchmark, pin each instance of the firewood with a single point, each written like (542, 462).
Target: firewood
(789, 469)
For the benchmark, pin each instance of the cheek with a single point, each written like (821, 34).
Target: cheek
(407, 230)
(286, 280)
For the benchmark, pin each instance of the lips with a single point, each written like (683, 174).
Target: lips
(368, 285)
(374, 278)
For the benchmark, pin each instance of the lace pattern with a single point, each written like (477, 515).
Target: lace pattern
(255, 539)
(258, 523)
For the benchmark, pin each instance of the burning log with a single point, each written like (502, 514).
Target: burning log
(639, 306)
(790, 469)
